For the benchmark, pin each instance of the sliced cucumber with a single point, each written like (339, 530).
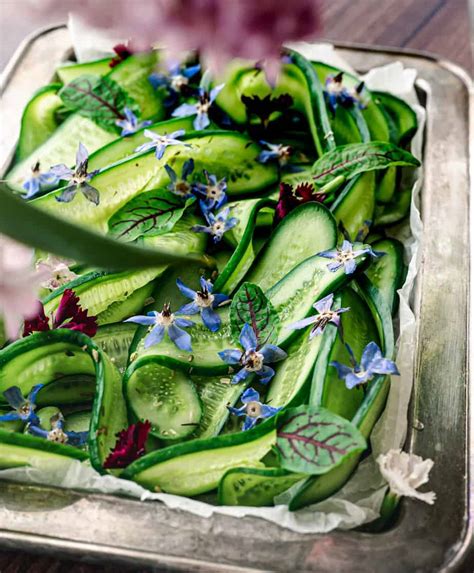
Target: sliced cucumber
(61, 147)
(223, 153)
(394, 211)
(121, 309)
(72, 70)
(18, 450)
(196, 467)
(123, 147)
(402, 115)
(68, 390)
(355, 205)
(167, 398)
(115, 341)
(289, 245)
(372, 114)
(327, 389)
(255, 487)
(386, 185)
(78, 421)
(45, 415)
(39, 120)
(292, 375)
(387, 273)
(216, 393)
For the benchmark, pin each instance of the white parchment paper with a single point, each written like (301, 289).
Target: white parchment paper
(360, 499)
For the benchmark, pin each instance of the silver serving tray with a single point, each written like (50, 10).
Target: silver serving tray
(425, 538)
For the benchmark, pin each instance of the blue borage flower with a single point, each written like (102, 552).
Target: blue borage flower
(337, 94)
(217, 224)
(130, 124)
(160, 142)
(24, 408)
(275, 152)
(204, 303)
(57, 432)
(38, 181)
(200, 109)
(344, 257)
(163, 322)
(79, 178)
(252, 409)
(252, 359)
(213, 192)
(181, 187)
(176, 82)
(371, 363)
(319, 321)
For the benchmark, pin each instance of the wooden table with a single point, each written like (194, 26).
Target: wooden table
(438, 26)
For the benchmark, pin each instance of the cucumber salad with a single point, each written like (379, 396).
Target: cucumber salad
(256, 355)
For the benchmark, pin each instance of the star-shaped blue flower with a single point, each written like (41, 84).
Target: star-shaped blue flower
(130, 124)
(253, 359)
(79, 178)
(275, 152)
(344, 257)
(200, 109)
(252, 409)
(57, 432)
(181, 187)
(319, 321)
(24, 408)
(337, 94)
(213, 193)
(371, 363)
(176, 82)
(204, 303)
(38, 181)
(217, 224)
(164, 322)
(160, 142)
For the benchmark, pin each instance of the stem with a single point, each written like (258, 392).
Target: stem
(332, 185)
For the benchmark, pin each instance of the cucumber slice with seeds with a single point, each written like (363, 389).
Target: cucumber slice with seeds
(167, 398)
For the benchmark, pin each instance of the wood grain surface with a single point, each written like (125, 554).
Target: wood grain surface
(438, 26)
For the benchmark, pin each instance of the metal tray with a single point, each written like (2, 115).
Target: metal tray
(425, 538)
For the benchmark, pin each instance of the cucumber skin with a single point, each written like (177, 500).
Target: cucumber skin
(28, 441)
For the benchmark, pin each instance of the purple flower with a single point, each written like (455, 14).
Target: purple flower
(275, 152)
(218, 224)
(213, 192)
(176, 82)
(322, 319)
(204, 303)
(181, 187)
(344, 257)
(38, 181)
(24, 408)
(371, 363)
(337, 94)
(57, 433)
(160, 142)
(130, 124)
(252, 409)
(252, 359)
(78, 178)
(165, 321)
(200, 109)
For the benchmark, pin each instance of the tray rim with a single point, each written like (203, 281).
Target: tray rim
(28, 539)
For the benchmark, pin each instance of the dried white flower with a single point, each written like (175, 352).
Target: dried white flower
(56, 270)
(405, 473)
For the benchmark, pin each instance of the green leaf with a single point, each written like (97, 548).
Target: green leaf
(313, 440)
(99, 99)
(354, 158)
(28, 224)
(149, 214)
(251, 306)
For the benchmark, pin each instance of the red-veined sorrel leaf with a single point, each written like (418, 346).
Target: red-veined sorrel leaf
(251, 306)
(151, 213)
(350, 160)
(100, 99)
(313, 440)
